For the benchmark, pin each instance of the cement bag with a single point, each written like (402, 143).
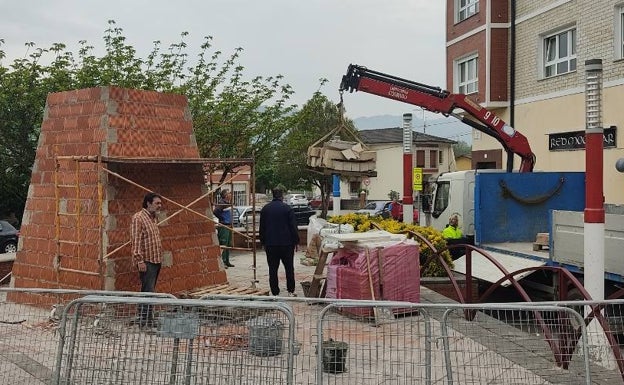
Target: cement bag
(314, 227)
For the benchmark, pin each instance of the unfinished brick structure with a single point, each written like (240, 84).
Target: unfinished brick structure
(97, 148)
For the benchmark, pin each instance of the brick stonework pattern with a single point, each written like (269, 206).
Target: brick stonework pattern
(474, 42)
(114, 122)
(594, 21)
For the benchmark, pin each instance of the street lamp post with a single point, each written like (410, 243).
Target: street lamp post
(408, 200)
(594, 210)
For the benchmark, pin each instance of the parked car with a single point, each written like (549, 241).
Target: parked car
(373, 208)
(316, 202)
(396, 212)
(243, 218)
(8, 237)
(383, 208)
(303, 214)
(296, 199)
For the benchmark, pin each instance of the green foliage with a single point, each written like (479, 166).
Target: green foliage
(393, 195)
(234, 116)
(462, 148)
(317, 117)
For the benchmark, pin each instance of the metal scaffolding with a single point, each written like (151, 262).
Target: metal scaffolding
(71, 215)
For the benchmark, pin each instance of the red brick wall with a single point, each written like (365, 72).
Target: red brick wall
(114, 122)
(499, 50)
(453, 31)
(468, 46)
(499, 64)
(500, 11)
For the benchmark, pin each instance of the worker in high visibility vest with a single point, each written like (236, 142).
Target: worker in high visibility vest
(452, 230)
(453, 235)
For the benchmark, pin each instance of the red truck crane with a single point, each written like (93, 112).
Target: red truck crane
(434, 99)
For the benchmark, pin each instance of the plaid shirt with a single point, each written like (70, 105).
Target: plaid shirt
(146, 243)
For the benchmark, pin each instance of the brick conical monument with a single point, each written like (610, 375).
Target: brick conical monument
(98, 151)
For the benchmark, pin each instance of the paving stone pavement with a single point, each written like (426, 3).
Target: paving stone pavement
(242, 274)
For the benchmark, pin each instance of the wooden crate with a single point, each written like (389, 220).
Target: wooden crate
(541, 241)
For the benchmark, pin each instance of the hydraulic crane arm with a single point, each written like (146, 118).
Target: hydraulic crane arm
(436, 100)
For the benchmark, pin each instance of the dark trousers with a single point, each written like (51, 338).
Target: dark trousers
(286, 255)
(148, 285)
(225, 239)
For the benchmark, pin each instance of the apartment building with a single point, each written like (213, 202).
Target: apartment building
(525, 61)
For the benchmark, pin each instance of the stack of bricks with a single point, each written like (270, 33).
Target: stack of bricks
(146, 138)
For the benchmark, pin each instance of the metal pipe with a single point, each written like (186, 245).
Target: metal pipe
(512, 76)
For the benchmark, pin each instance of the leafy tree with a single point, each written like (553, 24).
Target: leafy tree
(23, 90)
(461, 148)
(233, 117)
(317, 118)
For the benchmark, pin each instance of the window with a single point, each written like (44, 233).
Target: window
(466, 8)
(420, 158)
(467, 75)
(560, 53)
(433, 157)
(355, 186)
(441, 198)
(440, 157)
(619, 32)
(239, 195)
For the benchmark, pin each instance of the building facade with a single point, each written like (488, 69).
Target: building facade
(432, 154)
(525, 61)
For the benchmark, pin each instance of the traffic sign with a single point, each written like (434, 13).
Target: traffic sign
(417, 178)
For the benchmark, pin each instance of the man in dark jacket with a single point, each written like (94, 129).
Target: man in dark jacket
(279, 236)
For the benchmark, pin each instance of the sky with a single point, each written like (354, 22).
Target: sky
(303, 40)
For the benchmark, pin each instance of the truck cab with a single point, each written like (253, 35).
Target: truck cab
(454, 193)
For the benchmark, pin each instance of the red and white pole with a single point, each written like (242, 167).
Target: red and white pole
(594, 228)
(408, 199)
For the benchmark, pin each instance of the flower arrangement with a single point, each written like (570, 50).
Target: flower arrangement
(363, 222)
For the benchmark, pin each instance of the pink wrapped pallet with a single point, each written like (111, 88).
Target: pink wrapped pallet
(393, 264)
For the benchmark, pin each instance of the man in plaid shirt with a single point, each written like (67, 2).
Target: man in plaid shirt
(147, 251)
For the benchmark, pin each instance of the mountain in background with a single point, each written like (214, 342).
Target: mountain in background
(449, 128)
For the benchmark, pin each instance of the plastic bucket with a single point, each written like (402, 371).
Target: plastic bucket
(334, 356)
(265, 336)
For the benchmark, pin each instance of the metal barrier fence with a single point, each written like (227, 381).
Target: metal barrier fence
(29, 320)
(252, 340)
(196, 342)
(372, 342)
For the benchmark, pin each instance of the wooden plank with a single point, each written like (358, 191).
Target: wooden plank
(226, 289)
(208, 289)
(318, 277)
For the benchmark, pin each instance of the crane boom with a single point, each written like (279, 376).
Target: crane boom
(435, 99)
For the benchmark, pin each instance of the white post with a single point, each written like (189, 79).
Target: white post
(408, 192)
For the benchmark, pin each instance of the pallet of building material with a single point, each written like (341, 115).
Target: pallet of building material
(225, 289)
(541, 241)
